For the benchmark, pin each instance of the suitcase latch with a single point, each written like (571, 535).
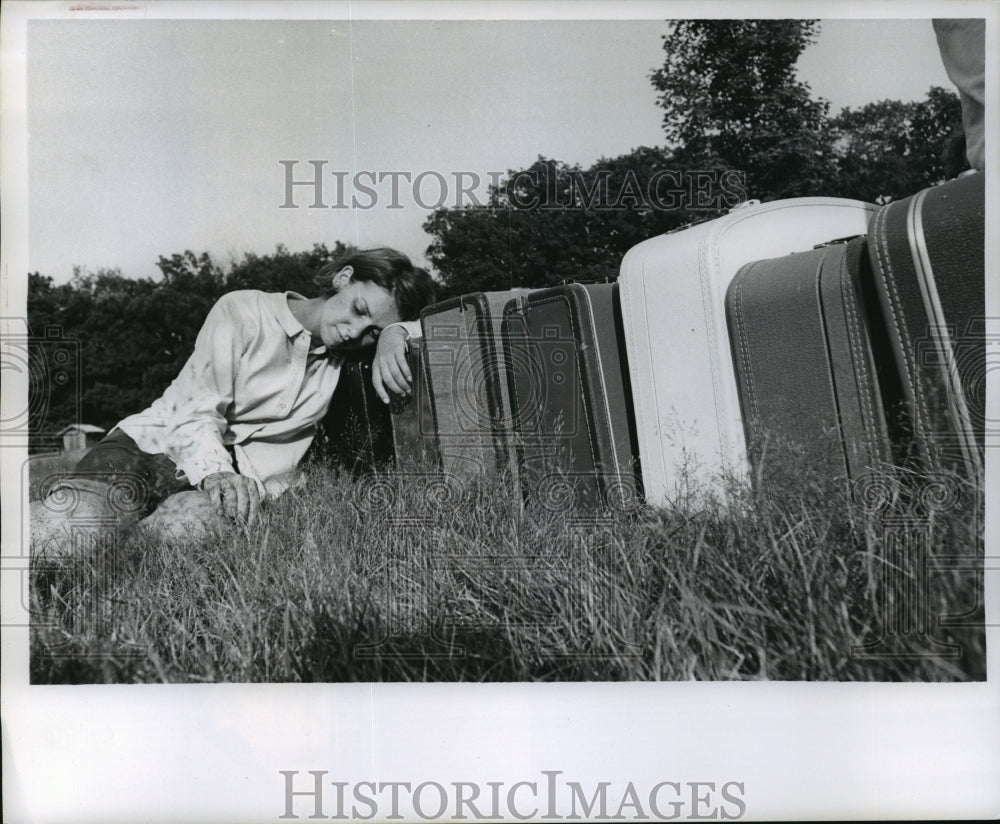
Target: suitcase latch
(836, 241)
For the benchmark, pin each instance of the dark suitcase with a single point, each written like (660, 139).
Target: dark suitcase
(467, 388)
(673, 287)
(817, 386)
(570, 398)
(363, 434)
(414, 433)
(927, 252)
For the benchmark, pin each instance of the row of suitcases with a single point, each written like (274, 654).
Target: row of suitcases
(849, 333)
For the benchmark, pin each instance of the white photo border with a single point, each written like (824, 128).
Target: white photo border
(214, 752)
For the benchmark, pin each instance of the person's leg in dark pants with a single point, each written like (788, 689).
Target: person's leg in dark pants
(113, 487)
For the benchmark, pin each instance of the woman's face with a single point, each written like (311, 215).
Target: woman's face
(358, 308)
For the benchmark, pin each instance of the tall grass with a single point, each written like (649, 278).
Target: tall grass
(406, 578)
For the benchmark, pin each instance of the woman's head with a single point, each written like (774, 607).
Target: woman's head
(410, 286)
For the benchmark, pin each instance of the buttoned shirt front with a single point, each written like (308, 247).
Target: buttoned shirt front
(254, 383)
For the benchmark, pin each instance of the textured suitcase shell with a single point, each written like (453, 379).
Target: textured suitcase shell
(928, 255)
(414, 433)
(673, 287)
(468, 390)
(807, 343)
(570, 397)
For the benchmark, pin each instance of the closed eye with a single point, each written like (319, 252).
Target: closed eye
(361, 308)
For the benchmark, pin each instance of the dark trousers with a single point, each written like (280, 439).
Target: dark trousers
(117, 458)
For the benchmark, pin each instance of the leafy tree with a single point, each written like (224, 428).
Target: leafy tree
(737, 123)
(889, 149)
(54, 313)
(281, 271)
(729, 94)
(134, 335)
(555, 221)
(938, 137)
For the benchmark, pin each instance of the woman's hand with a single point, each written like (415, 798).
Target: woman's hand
(390, 372)
(235, 496)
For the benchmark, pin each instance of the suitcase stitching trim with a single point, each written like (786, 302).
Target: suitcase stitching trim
(956, 408)
(753, 428)
(744, 348)
(605, 397)
(885, 269)
(516, 439)
(856, 340)
(632, 345)
(712, 242)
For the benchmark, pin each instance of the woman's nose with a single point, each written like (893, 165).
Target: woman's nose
(358, 328)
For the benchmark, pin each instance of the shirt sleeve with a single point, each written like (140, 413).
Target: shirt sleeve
(412, 327)
(198, 399)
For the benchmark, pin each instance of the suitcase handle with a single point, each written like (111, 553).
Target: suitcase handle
(836, 241)
(569, 281)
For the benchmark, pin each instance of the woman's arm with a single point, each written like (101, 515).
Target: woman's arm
(198, 399)
(390, 372)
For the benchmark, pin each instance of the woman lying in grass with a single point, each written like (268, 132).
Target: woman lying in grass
(230, 431)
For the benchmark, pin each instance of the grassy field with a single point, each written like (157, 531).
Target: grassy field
(406, 579)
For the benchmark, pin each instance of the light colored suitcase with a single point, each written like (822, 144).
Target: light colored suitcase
(673, 287)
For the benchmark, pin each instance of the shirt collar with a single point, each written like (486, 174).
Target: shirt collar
(284, 315)
(289, 322)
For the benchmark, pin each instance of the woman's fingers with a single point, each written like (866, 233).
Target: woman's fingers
(242, 506)
(234, 496)
(215, 493)
(230, 500)
(377, 383)
(390, 372)
(394, 379)
(403, 366)
(253, 509)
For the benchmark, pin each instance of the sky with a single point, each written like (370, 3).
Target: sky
(150, 137)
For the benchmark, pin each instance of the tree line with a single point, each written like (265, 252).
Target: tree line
(737, 124)
(131, 336)
(732, 105)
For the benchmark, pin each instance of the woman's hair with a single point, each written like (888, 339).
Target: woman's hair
(410, 286)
